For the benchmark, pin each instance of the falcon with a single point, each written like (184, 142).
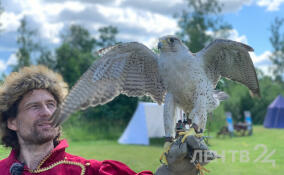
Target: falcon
(175, 77)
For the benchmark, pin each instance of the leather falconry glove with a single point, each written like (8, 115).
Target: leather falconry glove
(187, 158)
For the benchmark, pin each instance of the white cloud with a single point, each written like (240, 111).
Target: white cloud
(5, 64)
(168, 7)
(152, 43)
(40, 14)
(163, 7)
(73, 6)
(53, 9)
(148, 18)
(2, 66)
(10, 21)
(232, 34)
(267, 70)
(52, 31)
(260, 58)
(13, 60)
(234, 5)
(271, 5)
(262, 62)
(150, 22)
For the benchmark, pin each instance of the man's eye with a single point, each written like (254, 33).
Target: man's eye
(34, 107)
(51, 105)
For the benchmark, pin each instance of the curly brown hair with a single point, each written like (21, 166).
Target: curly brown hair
(15, 86)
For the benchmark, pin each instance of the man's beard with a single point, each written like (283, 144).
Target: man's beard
(38, 135)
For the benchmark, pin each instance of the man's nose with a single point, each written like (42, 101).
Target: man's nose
(45, 111)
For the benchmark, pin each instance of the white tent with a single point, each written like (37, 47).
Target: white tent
(147, 122)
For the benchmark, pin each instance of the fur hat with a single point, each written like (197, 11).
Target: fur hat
(17, 84)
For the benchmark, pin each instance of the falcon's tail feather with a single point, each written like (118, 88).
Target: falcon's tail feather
(221, 95)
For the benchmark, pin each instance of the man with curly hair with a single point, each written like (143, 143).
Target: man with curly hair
(28, 99)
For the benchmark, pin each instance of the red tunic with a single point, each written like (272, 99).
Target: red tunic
(60, 163)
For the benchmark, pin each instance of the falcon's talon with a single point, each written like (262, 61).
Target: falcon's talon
(199, 135)
(167, 147)
(186, 134)
(196, 128)
(192, 131)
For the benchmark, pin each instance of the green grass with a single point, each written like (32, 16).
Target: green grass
(262, 140)
(80, 130)
(147, 157)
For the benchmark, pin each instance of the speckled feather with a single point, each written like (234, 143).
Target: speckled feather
(128, 68)
(230, 59)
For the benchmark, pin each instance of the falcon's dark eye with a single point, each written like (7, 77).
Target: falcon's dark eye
(171, 40)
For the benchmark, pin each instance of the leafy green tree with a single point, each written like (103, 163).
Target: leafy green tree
(26, 44)
(277, 42)
(201, 18)
(240, 99)
(46, 58)
(75, 55)
(107, 36)
(79, 38)
(269, 90)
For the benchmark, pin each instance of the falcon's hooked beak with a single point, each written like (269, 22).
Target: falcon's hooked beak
(167, 43)
(162, 43)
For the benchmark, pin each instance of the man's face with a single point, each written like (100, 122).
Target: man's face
(31, 123)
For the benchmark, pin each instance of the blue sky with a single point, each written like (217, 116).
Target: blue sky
(254, 22)
(136, 20)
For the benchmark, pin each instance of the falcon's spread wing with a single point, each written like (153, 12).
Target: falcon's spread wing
(128, 68)
(230, 59)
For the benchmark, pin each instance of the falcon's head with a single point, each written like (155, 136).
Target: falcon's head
(170, 43)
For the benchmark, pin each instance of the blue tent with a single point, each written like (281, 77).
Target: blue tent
(275, 114)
